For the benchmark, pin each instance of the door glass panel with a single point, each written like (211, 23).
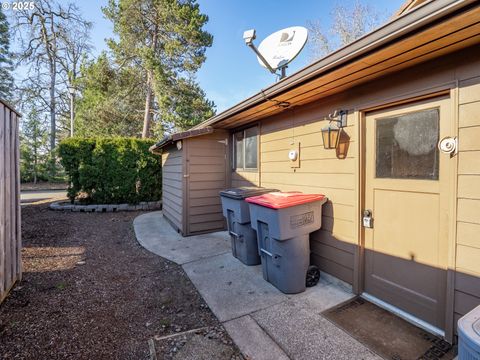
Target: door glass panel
(406, 146)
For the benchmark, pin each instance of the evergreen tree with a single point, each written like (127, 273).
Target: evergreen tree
(111, 101)
(6, 79)
(34, 148)
(184, 106)
(166, 40)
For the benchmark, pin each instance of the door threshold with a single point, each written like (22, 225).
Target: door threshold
(404, 315)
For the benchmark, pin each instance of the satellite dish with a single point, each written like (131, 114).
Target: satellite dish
(281, 47)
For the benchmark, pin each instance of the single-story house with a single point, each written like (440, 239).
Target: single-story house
(408, 157)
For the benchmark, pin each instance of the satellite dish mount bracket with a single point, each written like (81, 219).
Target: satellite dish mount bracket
(265, 62)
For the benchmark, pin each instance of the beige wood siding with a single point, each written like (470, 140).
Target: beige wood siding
(337, 175)
(10, 232)
(207, 176)
(172, 186)
(245, 178)
(467, 277)
(320, 171)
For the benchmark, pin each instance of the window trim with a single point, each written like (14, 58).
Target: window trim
(234, 154)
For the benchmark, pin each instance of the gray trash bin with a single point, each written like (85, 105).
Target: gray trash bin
(469, 336)
(283, 222)
(237, 214)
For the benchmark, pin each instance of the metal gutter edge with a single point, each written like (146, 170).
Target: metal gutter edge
(155, 148)
(416, 18)
(168, 139)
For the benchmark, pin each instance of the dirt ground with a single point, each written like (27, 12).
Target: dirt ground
(89, 291)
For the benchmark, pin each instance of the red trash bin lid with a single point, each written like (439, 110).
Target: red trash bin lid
(281, 200)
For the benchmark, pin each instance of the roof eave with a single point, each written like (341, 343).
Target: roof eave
(416, 18)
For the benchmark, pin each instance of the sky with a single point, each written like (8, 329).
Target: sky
(231, 72)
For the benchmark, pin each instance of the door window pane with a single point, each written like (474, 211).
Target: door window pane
(251, 148)
(406, 146)
(238, 139)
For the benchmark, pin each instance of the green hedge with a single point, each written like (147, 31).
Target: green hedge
(111, 170)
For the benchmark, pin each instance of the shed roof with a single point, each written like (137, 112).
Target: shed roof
(169, 139)
(419, 33)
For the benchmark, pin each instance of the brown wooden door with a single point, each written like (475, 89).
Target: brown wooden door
(407, 190)
(206, 175)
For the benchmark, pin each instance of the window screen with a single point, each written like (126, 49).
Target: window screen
(406, 146)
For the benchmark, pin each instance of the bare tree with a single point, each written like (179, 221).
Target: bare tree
(76, 45)
(348, 24)
(45, 35)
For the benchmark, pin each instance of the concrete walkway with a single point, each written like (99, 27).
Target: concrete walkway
(262, 321)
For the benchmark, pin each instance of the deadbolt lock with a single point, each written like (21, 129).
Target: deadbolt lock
(367, 219)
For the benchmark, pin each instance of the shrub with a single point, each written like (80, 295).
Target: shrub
(111, 170)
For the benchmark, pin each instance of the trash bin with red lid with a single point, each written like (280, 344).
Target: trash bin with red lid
(237, 213)
(283, 222)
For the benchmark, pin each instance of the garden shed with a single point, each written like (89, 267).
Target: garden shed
(402, 224)
(194, 171)
(10, 226)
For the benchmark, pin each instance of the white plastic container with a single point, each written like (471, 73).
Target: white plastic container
(469, 336)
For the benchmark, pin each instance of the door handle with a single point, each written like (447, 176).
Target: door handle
(237, 236)
(266, 252)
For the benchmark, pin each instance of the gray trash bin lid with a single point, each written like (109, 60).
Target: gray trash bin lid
(244, 192)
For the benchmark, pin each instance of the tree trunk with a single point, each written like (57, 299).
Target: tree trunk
(35, 167)
(35, 152)
(149, 98)
(53, 124)
(148, 106)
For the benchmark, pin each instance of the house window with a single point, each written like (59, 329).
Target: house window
(245, 149)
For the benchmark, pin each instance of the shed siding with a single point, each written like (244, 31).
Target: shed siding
(172, 186)
(207, 176)
(467, 278)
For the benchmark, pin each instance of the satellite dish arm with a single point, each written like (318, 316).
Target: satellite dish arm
(260, 56)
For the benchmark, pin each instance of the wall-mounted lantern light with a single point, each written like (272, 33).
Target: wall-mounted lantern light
(331, 133)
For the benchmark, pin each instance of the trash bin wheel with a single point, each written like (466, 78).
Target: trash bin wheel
(313, 276)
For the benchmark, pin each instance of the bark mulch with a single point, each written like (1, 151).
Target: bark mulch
(90, 291)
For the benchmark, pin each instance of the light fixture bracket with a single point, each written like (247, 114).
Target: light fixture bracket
(340, 117)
